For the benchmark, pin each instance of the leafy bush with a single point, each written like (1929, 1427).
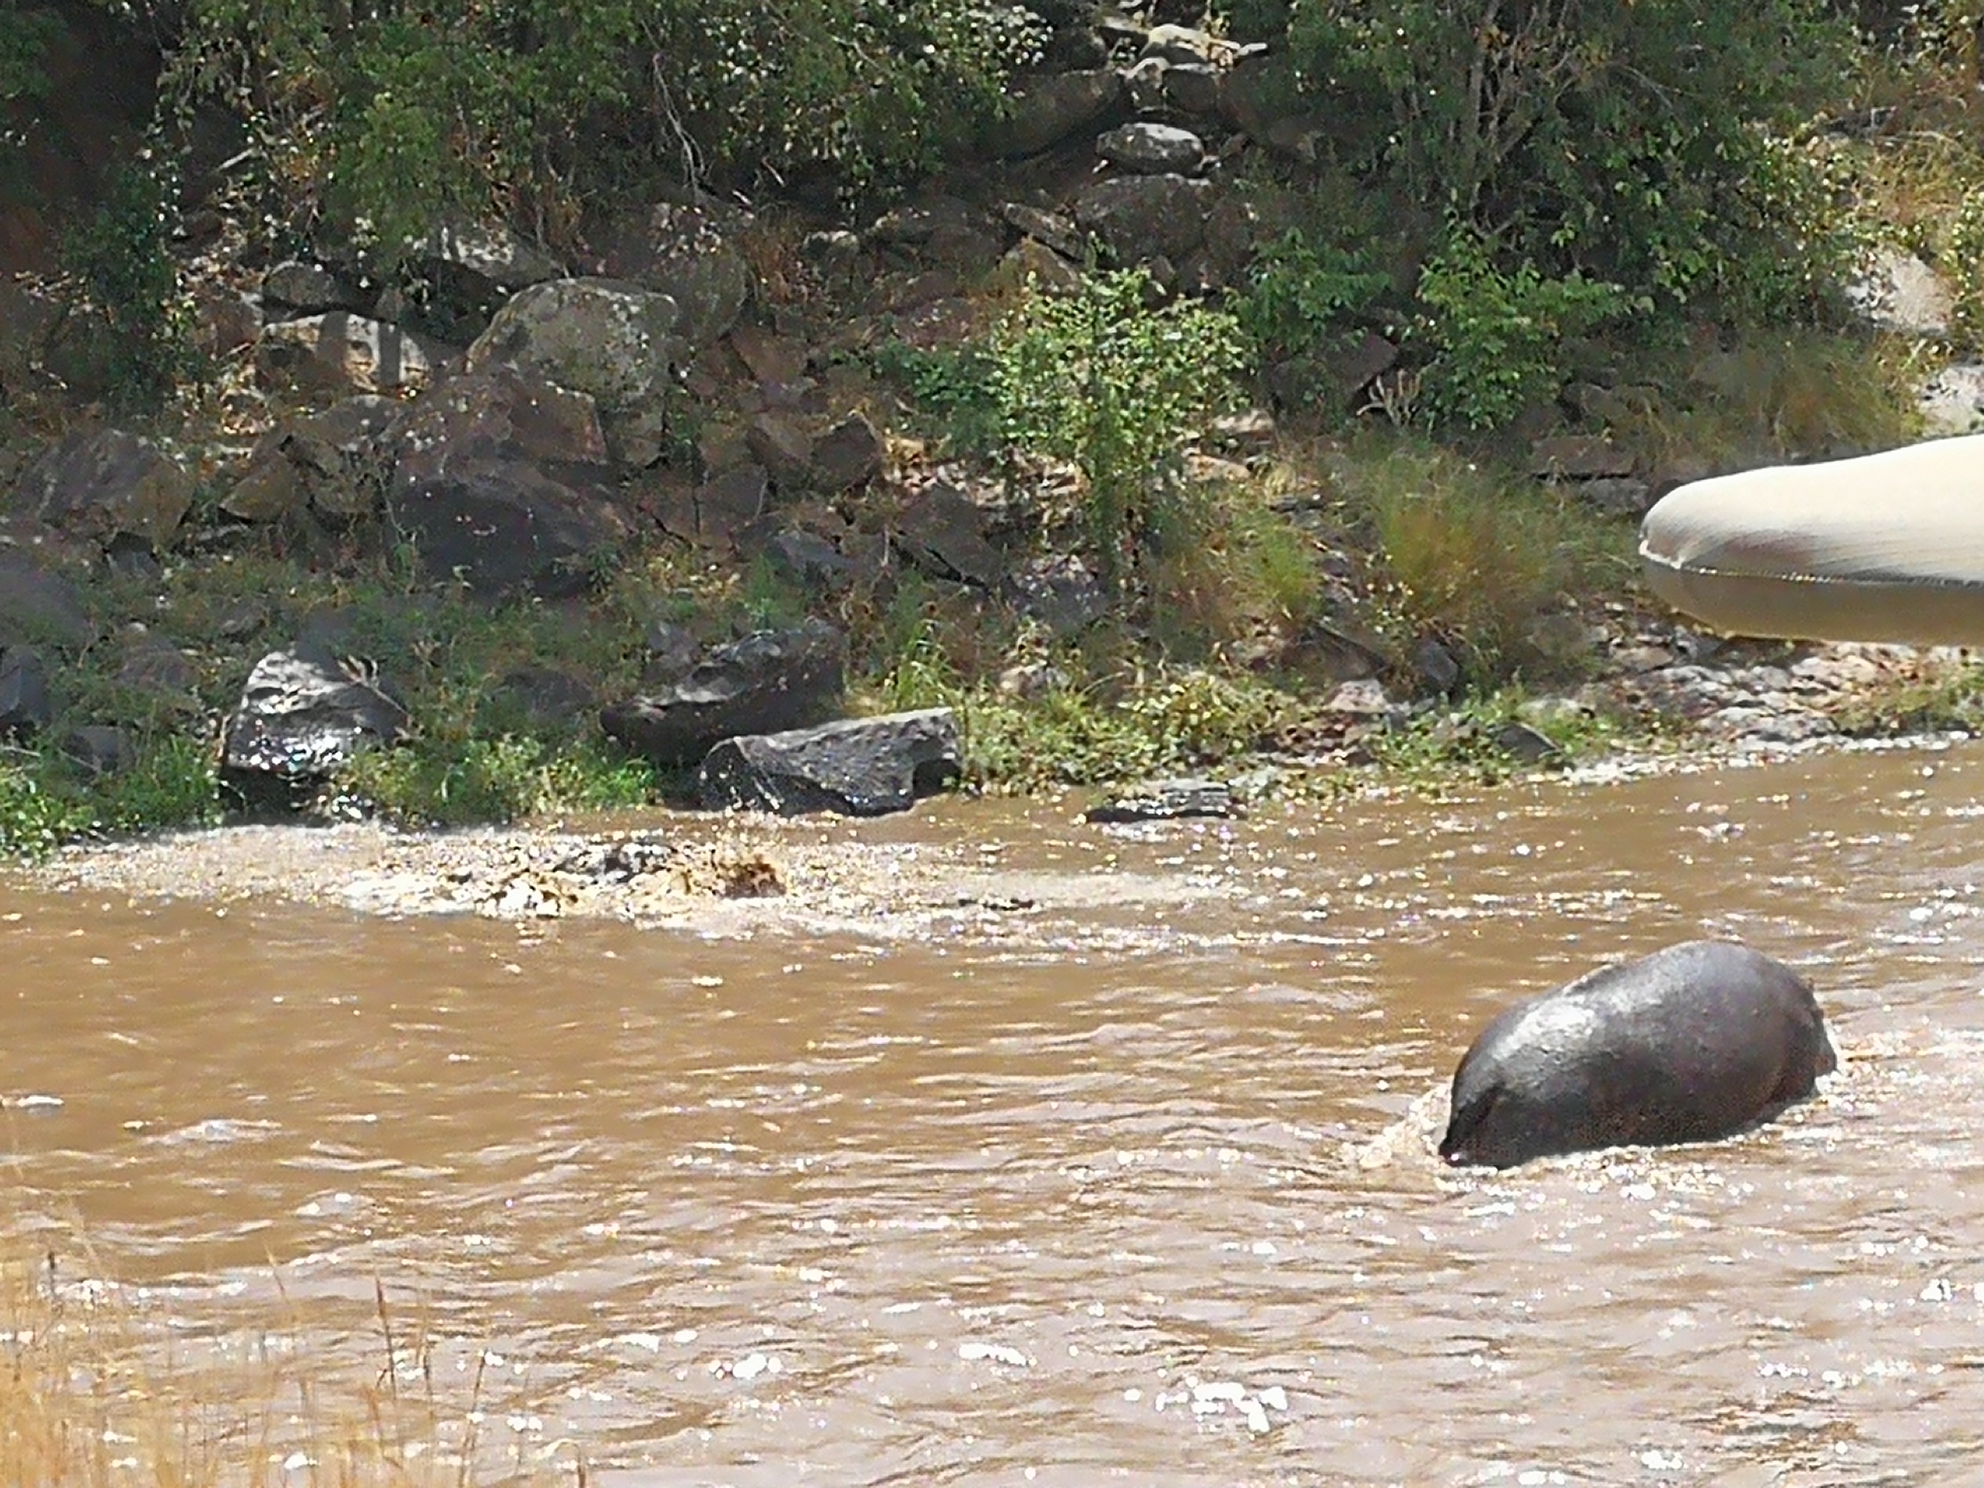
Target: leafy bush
(393, 117)
(122, 261)
(1636, 143)
(1098, 377)
(1302, 300)
(1496, 332)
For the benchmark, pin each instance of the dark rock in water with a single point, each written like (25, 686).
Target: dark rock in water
(303, 715)
(1690, 1044)
(856, 766)
(1527, 745)
(25, 709)
(1167, 800)
(767, 682)
(101, 749)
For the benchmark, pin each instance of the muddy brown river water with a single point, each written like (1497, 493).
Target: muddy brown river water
(1124, 1176)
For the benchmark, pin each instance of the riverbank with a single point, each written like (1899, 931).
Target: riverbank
(942, 871)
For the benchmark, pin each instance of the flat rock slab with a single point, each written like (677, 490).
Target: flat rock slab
(856, 766)
(1167, 800)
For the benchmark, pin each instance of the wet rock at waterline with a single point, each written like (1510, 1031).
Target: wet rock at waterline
(1690, 1044)
(304, 714)
(1167, 800)
(856, 766)
(765, 683)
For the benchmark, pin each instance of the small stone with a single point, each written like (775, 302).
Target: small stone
(1526, 745)
(25, 709)
(1167, 800)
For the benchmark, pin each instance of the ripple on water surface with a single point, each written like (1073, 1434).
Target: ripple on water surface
(1128, 1175)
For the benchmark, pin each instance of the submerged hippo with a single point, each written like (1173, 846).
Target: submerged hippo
(1692, 1043)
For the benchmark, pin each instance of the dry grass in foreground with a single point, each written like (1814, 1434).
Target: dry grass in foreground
(85, 1402)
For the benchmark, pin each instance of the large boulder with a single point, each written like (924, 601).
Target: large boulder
(508, 528)
(1050, 109)
(615, 342)
(341, 353)
(502, 480)
(105, 485)
(766, 682)
(856, 766)
(1138, 218)
(304, 714)
(688, 252)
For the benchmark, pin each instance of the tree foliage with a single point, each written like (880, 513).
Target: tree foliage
(386, 114)
(1639, 143)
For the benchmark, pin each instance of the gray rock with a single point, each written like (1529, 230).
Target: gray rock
(784, 447)
(497, 416)
(25, 708)
(616, 343)
(1436, 665)
(1526, 745)
(152, 664)
(1192, 89)
(1952, 402)
(294, 288)
(1153, 149)
(856, 766)
(105, 484)
(688, 252)
(807, 558)
(1139, 218)
(101, 749)
(546, 699)
(1051, 109)
(37, 605)
(1900, 293)
(304, 714)
(333, 461)
(942, 533)
(1578, 457)
(505, 528)
(340, 353)
(1168, 800)
(490, 253)
(766, 682)
(1615, 495)
(720, 510)
(1060, 592)
(671, 651)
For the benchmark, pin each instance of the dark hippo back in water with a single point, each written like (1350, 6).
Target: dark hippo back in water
(1689, 1044)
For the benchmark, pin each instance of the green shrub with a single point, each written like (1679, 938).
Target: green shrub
(1099, 378)
(1965, 258)
(1636, 143)
(952, 387)
(1496, 333)
(395, 117)
(122, 262)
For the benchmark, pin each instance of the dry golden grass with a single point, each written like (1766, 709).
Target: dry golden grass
(89, 1398)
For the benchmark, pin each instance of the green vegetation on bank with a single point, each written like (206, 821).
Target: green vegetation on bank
(1631, 221)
